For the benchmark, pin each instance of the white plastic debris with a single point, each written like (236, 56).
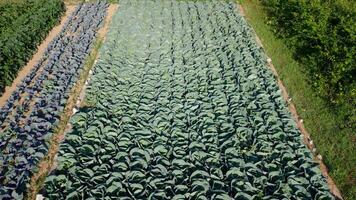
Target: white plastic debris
(301, 120)
(319, 157)
(39, 197)
(314, 150)
(90, 72)
(311, 142)
(75, 110)
(269, 60)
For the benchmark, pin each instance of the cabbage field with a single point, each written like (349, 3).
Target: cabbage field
(31, 114)
(182, 105)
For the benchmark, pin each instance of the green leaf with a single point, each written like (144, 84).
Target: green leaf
(73, 195)
(222, 197)
(180, 189)
(137, 188)
(180, 163)
(201, 186)
(114, 188)
(135, 175)
(160, 150)
(234, 173)
(140, 153)
(89, 172)
(199, 174)
(15, 195)
(160, 169)
(87, 150)
(243, 196)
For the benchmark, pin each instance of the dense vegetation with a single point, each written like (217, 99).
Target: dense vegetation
(333, 142)
(23, 25)
(31, 115)
(322, 33)
(181, 105)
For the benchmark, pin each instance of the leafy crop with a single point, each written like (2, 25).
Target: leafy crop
(29, 118)
(183, 106)
(23, 25)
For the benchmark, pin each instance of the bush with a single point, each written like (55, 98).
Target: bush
(322, 32)
(23, 25)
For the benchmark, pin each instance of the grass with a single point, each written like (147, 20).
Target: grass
(335, 144)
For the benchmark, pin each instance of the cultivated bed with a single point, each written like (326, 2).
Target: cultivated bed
(31, 115)
(182, 105)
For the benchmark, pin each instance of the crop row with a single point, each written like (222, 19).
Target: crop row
(31, 114)
(23, 25)
(183, 106)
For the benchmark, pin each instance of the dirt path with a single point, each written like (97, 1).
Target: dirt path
(77, 94)
(292, 108)
(37, 56)
(110, 13)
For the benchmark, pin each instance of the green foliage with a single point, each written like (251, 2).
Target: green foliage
(322, 33)
(23, 25)
(183, 106)
(338, 150)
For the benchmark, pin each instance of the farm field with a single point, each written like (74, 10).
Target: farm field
(23, 25)
(182, 105)
(153, 99)
(30, 116)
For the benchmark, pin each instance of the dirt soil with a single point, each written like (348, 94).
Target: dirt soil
(36, 57)
(110, 13)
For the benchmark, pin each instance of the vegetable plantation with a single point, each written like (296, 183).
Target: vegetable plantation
(31, 114)
(182, 105)
(23, 25)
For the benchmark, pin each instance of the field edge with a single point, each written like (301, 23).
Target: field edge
(310, 108)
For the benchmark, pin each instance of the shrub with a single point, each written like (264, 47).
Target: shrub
(322, 32)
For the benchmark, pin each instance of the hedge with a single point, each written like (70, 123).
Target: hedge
(23, 25)
(322, 33)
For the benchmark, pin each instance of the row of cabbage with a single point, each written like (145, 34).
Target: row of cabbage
(183, 106)
(33, 111)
